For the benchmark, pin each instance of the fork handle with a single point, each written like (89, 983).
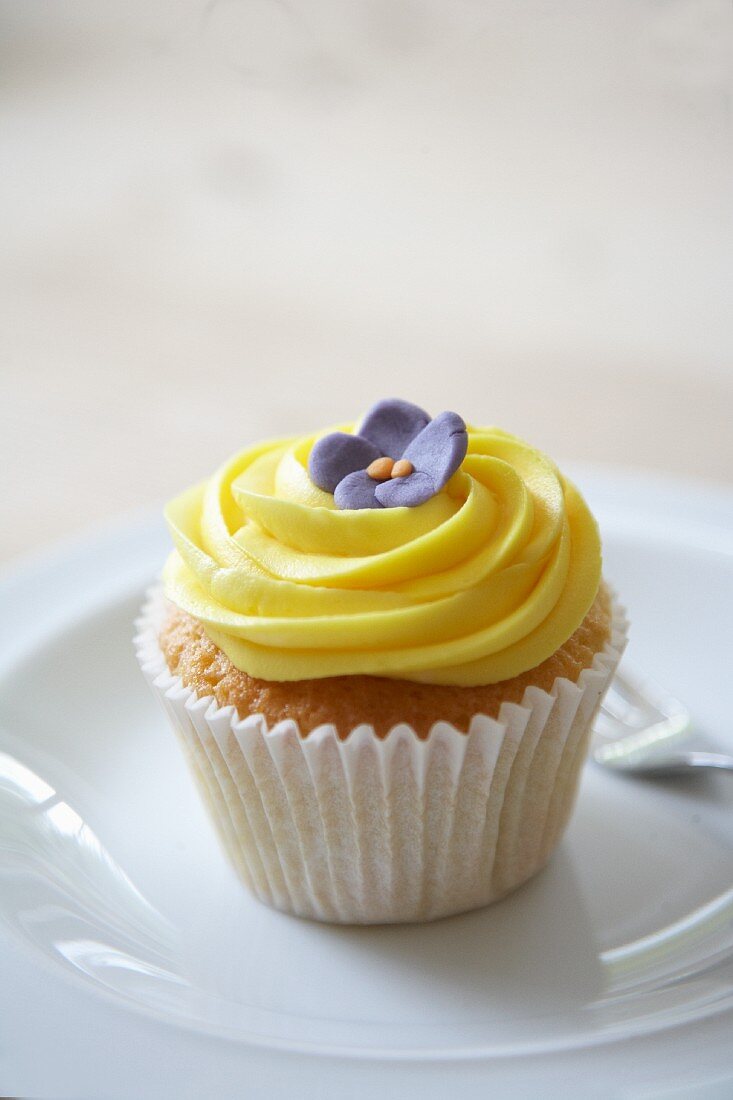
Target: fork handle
(710, 760)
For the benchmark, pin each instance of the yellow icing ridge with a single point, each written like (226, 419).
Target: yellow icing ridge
(482, 582)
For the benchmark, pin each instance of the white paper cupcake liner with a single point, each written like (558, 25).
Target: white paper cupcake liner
(367, 830)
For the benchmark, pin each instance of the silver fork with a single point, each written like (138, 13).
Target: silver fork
(644, 730)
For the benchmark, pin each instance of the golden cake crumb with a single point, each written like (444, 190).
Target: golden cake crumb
(348, 701)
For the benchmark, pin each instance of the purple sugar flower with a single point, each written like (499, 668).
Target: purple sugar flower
(398, 458)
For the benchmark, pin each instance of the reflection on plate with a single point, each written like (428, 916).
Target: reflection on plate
(109, 869)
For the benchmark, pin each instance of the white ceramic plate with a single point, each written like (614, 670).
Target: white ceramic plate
(110, 873)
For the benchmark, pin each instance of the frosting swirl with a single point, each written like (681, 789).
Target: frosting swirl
(480, 583)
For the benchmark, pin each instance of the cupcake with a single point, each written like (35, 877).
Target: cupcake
(382, 648)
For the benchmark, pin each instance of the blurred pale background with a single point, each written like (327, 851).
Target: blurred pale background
(226, 219)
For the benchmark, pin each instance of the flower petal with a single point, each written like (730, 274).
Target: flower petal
(392, 424)
(337, 455)
(357, 490)
(440, 448)
(406, 492)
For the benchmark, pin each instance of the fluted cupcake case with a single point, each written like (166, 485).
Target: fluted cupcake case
(367, 830)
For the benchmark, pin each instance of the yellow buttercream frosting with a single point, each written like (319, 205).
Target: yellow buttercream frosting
(482, 582)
